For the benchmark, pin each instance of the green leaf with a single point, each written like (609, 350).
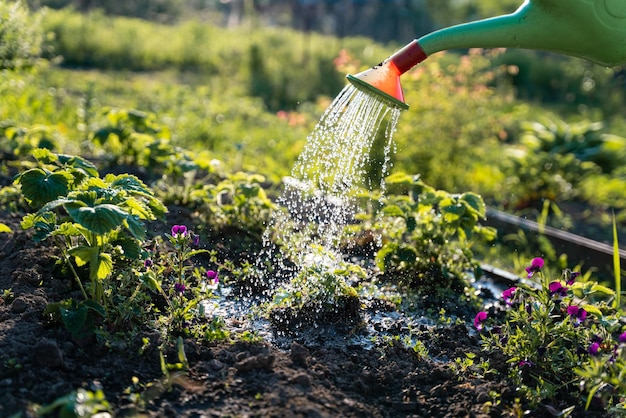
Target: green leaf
(129, 183)
(43, 223)
(68, 229)
(95, 307)
(598, 289)
(593, 310)
(105, 266)
(74, 318)
(393, 210)
(135, 226)
(475, 202)
(40, 187)
(130, 247)
(44, 155)
(83, 254)
(100, 219)
(79, 163)
(135, 207)
(149, 280)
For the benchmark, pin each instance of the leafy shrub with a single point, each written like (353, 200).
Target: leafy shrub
(21, 36)
(91, 218)
(426, 233)
(557, 332)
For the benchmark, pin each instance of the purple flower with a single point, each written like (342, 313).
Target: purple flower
(577, 314)
(594, 348)
(179, 287)
(570, 277)
(195, 239)
(622, 337)
(479, 319)
(557, 289)
(509, 294)
(147, 263)
(523, 363)
(179, 229)
(535, 266)
(213, 277)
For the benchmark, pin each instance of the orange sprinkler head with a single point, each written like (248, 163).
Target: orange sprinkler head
(383, 80)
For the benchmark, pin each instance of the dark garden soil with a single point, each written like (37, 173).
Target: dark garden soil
(319, 372)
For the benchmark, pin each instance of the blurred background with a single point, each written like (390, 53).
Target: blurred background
(538, 135)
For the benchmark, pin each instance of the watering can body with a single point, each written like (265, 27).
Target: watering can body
(591, 29)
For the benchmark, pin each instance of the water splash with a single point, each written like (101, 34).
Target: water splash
(319, 198)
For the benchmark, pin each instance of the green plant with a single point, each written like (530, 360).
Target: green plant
(320, 291)
(237, 201)
(556, 332)
(170, 272)
(468, 367)
(21, 35)
(89, 217)
(80, 403)
(426, 234)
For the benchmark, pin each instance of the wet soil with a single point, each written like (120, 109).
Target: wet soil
(325, 371)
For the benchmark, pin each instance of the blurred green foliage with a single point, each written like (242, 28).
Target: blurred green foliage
(247, 98)
(21, 36)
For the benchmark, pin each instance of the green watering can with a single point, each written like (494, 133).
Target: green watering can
(591, 29)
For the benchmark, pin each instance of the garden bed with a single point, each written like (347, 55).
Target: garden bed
(329, 370)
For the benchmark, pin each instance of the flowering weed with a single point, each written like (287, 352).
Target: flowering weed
(561, 336)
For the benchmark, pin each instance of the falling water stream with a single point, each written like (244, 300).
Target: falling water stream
(319, 200)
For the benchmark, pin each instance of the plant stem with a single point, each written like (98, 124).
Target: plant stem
(69, 263)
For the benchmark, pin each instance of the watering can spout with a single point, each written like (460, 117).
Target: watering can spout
(591, 29)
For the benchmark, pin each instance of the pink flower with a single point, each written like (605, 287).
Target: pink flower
(535, 266)
(509, 294)
(479, 319)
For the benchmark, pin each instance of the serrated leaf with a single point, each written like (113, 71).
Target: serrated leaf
(135, 227)
(83, 254)
(68, 229)
(129, 183)
(44, 224)
(74, 318)
(44, 155)
(79, 163)
(137, 208)
(100, 219)
(105, 266)
(130, 247)
(476, 203)
(40, 187)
